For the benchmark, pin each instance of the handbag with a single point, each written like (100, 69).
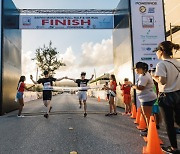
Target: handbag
(167, 98)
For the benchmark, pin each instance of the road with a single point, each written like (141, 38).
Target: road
(95, 134)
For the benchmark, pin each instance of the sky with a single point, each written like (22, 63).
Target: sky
(81, 50)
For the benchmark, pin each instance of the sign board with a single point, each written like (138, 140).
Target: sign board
(147, 29)
(66, 22)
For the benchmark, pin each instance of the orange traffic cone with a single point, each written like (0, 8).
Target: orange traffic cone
(138, 116)
(146, 139)
(133, 112)
(142, 123)
(99, 99)
(153, 145)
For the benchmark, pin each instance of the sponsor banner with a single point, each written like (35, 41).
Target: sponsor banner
(66, 22)
(147, 29)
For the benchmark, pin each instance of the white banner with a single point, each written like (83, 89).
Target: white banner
(147, 29)
(66, 22)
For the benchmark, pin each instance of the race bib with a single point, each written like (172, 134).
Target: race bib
(47, 86)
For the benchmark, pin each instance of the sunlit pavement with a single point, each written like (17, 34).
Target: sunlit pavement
(67, 130)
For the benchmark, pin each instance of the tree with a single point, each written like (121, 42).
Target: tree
(46, 59)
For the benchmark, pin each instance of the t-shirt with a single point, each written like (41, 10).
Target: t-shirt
(168, 70)
(114, 85)
(147, 94)
(47, 83)
(82, 83)
(126, 89)
(21, 87)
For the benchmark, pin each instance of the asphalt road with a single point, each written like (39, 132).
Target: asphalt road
(95, 134)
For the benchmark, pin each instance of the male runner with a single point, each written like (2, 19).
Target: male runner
(82, 92)
(47, 83)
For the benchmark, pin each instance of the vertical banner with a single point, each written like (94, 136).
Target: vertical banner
(147, 29)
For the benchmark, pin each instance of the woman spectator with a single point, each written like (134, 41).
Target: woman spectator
(145, 93)
(112, 95)
(167, 76)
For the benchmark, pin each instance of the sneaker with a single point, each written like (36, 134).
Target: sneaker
(108, 114)
(85, 114)
(114, 113)
(129, 114)
(46, 116)
(50, 109)
(125, 113)
(169, 150)
(80, 106)
(143, 134)
(157, 126)
(20, 116)
(144, 131)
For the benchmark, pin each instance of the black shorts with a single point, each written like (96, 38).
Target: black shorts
(47, 95)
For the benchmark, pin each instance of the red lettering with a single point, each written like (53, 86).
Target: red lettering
(69, 22)
(88, 22)
(75, 22)
(57, 22)
(52, 22)
(45, 21)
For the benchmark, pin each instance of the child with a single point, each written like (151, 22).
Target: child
(126, 93)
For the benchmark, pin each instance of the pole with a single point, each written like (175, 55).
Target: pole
(171, 32)
(95, 75)
(37, 74)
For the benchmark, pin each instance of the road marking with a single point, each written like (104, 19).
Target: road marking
(70, 128)
(73, 152)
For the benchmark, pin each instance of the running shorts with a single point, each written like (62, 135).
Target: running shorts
(47, 95)
(82, 95)
(127, 98)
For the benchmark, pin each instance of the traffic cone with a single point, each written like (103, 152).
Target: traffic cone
(138, 116)
(153, 145)
(142, 123)
(133, 112)
(150, 128)
(99, 99)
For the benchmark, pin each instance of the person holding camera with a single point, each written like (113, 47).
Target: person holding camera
(145, 93)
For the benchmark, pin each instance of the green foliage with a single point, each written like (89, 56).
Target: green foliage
(46, 59)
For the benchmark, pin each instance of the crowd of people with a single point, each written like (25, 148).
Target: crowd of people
(154, 88)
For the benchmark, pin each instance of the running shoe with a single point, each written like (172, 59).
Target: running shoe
(80, 106)
(125, 113)
(50, 109)
(169, 150)
(20, 116)
(85, 114)
(46, 116)
(114, 113)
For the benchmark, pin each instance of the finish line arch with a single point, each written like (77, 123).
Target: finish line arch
(138, 27)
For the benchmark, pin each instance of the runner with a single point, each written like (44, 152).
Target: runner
(112, 92)
(82, 93)
(20, 92)
(47, 83)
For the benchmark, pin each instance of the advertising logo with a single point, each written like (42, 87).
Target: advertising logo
(26, 21)
(146, 3)
(146, 58)
(147, 21)
(142, 9)
(151, 10)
